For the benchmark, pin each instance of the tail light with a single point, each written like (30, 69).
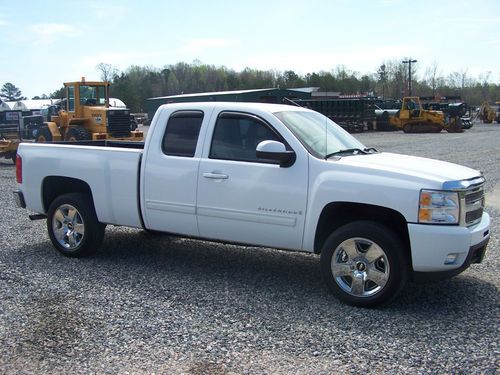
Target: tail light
(19, 169)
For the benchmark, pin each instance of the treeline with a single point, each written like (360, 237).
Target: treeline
(138, 83)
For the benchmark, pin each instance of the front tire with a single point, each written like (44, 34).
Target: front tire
(364, 264)
(73, 226)
(78, 133)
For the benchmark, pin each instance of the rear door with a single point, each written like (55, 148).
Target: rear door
(243, 198)
(171, 173)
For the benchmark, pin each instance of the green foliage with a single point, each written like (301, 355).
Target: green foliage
(58, 94)
(9, 92)
(138, 83)
(38, 97)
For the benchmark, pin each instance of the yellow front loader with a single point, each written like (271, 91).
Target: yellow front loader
(85, 115)
(9, 133)
(8, 148)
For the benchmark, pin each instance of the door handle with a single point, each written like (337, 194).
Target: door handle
(215, 176)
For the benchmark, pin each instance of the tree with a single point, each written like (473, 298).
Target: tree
(365, 84)
(433, 77)
(172, 84)
(291, 79)
(38, 97)
(58, 94)
(108, 71)
(382, 77)
(11, 93)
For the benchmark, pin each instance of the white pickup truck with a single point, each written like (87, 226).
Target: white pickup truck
(266, 175)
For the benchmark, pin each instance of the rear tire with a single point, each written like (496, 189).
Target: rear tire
(44, 135)
(73, 226)
(364, 264)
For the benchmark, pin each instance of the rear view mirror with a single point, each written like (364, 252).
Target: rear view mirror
(274, 150)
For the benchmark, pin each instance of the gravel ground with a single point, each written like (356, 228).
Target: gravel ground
(162, 304)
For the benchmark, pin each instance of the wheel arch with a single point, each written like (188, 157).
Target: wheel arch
(337, 214)
(54, 186)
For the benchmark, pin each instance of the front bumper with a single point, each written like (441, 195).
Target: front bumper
(476, 255)
(432, 245)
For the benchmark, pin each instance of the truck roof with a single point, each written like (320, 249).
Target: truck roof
(239, 106)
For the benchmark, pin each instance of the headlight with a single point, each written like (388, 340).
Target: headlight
(439, 207)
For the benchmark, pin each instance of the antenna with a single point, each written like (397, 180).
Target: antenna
(285, 99)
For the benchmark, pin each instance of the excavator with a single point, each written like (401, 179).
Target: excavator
(412, 118)
(84, 115)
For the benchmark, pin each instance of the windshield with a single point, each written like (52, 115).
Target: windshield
(320, 135)
(92, 95)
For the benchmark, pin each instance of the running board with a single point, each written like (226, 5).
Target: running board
(37, 216)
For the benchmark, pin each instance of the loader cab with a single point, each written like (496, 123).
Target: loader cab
(411, 107)
(85, 94)
(93, 95)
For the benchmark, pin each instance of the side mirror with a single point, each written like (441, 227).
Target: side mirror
(277, 151)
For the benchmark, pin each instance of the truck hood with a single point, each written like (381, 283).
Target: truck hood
(409, 167)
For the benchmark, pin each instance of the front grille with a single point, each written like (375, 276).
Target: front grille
(473, 216)
(474, 204)
(470, 198)
(118, 123)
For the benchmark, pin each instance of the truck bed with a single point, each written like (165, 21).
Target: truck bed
(110, 171)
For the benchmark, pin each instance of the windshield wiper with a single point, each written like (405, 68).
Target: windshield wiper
(352, 151)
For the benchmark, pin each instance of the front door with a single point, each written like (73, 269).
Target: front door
(243, 198)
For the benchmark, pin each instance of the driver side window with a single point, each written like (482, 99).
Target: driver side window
(236, 137)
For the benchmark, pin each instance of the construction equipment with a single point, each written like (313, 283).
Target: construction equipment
(489, 113)
(456, 111)
(456, 119)
(412, 118)
(8, 148)
(9, 136)
(84, 114)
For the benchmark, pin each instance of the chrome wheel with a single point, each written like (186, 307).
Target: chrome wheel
(360, 267)
(68, 226)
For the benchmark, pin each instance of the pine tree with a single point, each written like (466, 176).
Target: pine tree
(9, 92)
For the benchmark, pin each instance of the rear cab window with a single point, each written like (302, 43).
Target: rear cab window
(181, 134)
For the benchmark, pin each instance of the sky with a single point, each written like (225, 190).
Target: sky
(45, 43)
